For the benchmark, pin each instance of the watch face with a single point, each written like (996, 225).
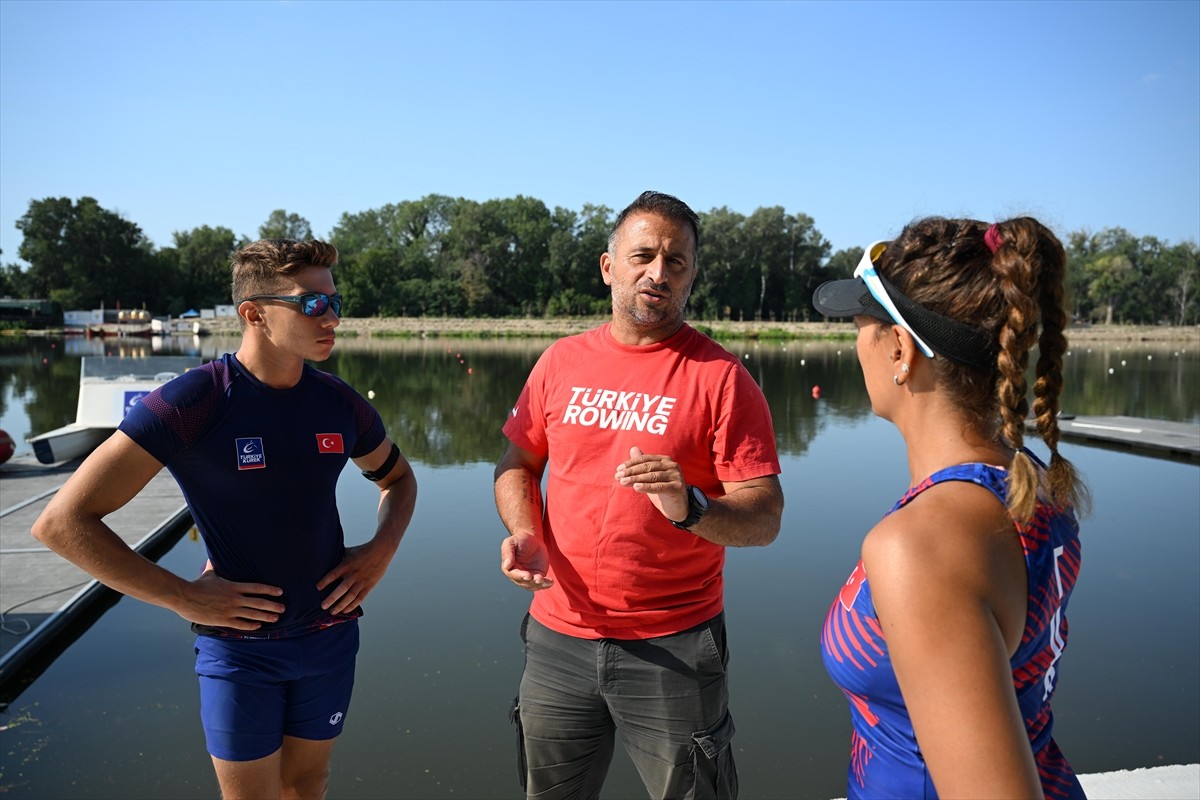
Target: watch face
(700, 498)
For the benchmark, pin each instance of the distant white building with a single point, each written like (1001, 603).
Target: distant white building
(80, 318)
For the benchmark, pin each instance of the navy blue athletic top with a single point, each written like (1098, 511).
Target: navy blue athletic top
(885, 760)
(259, 468)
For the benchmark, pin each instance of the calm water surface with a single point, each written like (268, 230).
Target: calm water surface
(116, 715)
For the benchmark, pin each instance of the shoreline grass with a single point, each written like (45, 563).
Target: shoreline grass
(722, 330)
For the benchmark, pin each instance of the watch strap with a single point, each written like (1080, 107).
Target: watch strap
(695, 511)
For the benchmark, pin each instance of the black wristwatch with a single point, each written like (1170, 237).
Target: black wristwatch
(697, 507)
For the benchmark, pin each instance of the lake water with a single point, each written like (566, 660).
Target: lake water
(116, 714)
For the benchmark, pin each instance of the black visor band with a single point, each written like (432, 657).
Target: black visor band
(946, 337)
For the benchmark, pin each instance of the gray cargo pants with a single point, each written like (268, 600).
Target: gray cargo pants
(668, 696)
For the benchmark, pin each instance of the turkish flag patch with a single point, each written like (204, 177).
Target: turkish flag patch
(329, 443)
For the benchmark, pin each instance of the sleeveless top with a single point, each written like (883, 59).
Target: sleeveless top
(885, 759)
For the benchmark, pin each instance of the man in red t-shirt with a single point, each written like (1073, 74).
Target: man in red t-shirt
(661, 453)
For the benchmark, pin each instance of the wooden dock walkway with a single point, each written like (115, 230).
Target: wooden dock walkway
(42, 595)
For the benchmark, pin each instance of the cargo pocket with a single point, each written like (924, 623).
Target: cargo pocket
(514, 716)
(712, 763)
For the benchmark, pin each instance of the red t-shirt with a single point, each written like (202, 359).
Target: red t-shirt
(620, 569)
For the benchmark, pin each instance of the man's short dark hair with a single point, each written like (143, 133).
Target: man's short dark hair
(664, 205)
(259, 266)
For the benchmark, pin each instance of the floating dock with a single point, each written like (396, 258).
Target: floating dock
(46, 601)
(1156, 437)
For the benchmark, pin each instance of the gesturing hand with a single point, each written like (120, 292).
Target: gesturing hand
(659, 478)
(524, 561)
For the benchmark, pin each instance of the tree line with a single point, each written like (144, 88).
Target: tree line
(446, 256)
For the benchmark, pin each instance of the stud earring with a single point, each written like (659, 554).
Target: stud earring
(904, 368)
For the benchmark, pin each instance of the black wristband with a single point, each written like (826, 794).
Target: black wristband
(697, 508)
(382, 472)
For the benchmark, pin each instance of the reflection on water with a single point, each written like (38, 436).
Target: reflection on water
(116, 714)
(443, 397)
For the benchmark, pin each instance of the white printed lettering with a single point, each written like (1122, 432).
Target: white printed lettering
(618, 410)
(1056, 641)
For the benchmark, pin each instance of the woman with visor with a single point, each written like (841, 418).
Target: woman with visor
(947, 636)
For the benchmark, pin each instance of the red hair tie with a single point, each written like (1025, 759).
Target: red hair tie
(992, 238)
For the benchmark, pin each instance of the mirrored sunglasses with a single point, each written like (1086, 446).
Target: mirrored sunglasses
(866, 271)
(312, 304)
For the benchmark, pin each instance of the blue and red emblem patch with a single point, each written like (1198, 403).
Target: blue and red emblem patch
(250, 453)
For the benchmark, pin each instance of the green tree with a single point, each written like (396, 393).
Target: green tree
(841, 265)
(769, 256)
(500, 253)
(1182, 265)
(1080, 250)
(807, 248)
(83, 256)
(282, 225)
(726, 287)
(14, 282)
(1110, 275)
(170, 284)
(203, 263)
(369, 280)
(576, 242)
(759, 267)
(1115, 276)
(392, 260)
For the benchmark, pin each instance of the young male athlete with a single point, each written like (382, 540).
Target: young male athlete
(661, 453)
(256, 440)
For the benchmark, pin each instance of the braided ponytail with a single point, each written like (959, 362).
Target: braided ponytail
(1018, 332)
(1031, 265)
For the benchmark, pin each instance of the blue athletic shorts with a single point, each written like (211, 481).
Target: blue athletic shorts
(253, 692)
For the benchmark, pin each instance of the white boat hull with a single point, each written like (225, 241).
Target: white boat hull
(68, 442)
(108, 387)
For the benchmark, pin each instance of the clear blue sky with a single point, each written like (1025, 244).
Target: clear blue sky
(862, 115)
